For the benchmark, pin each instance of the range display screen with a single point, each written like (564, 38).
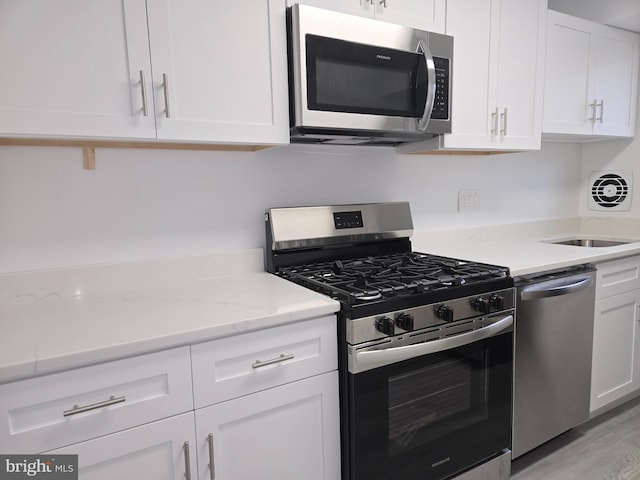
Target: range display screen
(348, 220)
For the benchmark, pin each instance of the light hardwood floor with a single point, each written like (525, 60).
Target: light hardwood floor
(604, 448)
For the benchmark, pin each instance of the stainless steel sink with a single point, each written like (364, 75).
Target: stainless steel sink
(588, 242)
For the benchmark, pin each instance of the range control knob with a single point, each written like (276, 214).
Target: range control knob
(481, 304)
(443, 312)
(497, 302)
(405, 321)
(385, 325)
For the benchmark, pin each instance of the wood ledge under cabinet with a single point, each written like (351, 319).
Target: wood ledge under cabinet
(89, 146)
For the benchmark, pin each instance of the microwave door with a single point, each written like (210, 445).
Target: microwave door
(424, 88)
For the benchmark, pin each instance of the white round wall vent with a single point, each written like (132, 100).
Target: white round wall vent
(610, 191)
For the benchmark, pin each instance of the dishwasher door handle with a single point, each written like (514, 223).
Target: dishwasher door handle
(553, 289)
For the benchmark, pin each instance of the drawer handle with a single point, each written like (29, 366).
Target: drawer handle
(78, 409)
(212, 472)
(281, 358)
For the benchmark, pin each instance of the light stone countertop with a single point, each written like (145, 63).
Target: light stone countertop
(59, 319)
(67, 318)
(524, 247)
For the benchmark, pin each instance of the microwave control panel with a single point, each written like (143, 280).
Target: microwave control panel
(441, 102)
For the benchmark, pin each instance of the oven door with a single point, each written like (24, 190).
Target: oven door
(432, 416)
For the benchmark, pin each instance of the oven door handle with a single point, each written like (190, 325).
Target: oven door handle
(398, 354)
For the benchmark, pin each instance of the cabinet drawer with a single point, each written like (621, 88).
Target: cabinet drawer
(234, 366)
(55, 410)
(617, 276)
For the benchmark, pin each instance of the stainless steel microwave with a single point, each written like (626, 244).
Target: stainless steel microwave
(358, 81)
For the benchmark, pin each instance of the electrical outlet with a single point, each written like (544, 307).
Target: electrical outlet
(468, 200)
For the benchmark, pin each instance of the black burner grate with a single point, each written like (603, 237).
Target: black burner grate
(375, 278)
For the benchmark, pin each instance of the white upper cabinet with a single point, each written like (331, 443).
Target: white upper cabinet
(421, 14)
(71, 67)
(189, 70)
(591, 78)
(498, 67)
(219, 70)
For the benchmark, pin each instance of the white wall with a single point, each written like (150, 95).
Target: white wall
(141, 204)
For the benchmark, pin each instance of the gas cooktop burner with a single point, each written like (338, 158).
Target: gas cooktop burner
(375, 278)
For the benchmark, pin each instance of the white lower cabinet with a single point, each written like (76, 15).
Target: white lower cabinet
(616, 349)
(290, 432)
(266, 407)
(162, 450)
(270, 396)
(616, 336)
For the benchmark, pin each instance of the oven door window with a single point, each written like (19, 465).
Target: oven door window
(432, 416)
(355, 78)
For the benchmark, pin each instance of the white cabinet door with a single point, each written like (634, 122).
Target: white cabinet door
(497, 73)
(289, 432)
(72, 68)
(616, 348)
(520, 75)
(591, 78)
(429, 15)
(153, 451)
(616, 82)
(362, 8)
(469, 22)
(219, 70)
(568, 83)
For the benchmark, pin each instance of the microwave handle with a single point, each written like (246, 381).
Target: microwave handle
(431, 86)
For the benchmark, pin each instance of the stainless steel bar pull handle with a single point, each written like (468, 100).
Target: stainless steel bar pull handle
(212, 473)
(165, 86)
(264, 363)
(383, 3)
(94, 406)
(593, 110)
(601, 105)
(494, 122)
(143, 89)
(504, 122)
(187, 461)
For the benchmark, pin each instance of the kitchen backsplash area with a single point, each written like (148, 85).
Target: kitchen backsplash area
(143, 204)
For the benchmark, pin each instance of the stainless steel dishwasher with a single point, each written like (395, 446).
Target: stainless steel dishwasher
(553, 346)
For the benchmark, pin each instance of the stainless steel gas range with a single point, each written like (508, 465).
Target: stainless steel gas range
(425, 342)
